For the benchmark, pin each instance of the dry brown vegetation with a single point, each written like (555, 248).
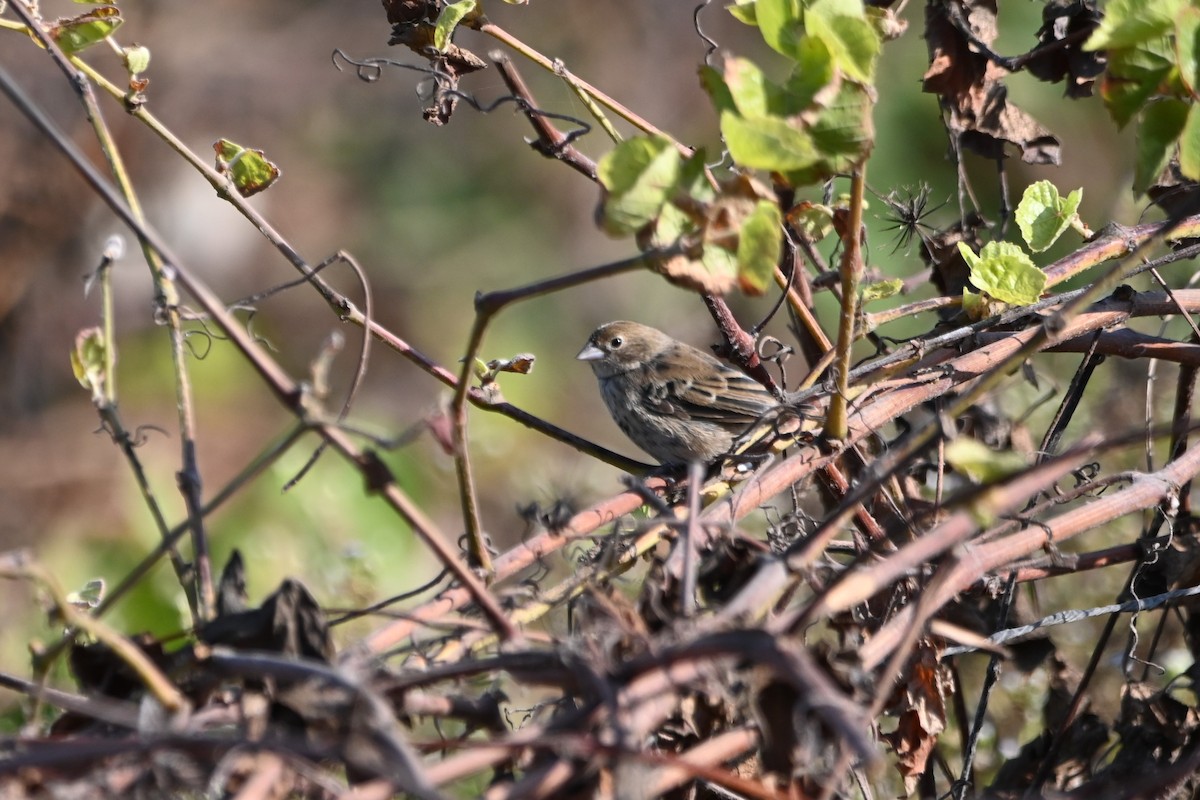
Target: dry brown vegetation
(969, 573)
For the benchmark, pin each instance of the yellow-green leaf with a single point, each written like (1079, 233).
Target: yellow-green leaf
(1043, 214)
(1128, 23)
(1159, 130)
(771, 143)
(76, 33)
(980, 463)
(88, 359)
(882, 290)
(1005, 272)
(758, 247)
(851, 40)
(249, 170)
(638, 176)
(1189, 145)
(137, 58)
(447, 21)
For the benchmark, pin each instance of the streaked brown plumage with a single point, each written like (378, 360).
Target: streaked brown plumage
(673, 400)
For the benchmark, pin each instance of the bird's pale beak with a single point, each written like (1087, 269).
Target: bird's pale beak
(590, 353)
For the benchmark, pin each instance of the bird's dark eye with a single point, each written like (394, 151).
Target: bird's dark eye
(616, 342)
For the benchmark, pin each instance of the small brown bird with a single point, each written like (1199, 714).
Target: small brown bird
(674, 401)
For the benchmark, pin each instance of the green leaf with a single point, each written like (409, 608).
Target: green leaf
(85, 30)
(972, 305)
(980, 463)
(841, 134)
(779, 21)
(813, 72)
(734, 240)
(881, 290)
(1133, 76)
(844, 132)
(89, 595)
(137, 58)
(771, 143)
(759, 242)
(1005, 272)
(749, 87)
(714, 86)
(810, 221)
(712, 269)
(639, 176)
(249, 170)
(754, 95)
(1043, 215)
(1187, 29)
(851, 40)
(1161, 124)
(744, 11)
(448, 20)
(1128, 23)
(88, 359)
(716, 269)
(1189, 145)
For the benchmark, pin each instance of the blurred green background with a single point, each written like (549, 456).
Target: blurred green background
(434, 215)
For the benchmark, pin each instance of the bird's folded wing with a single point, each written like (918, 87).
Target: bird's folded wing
(729, 398)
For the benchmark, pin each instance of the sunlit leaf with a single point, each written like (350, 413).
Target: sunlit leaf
(88, 359)
(1161, 125)
(76, 33)
(638, 176)
(1128, 23)
(811, 222)
(882, 290)
(1189, 145)
(1043, 214)
(1187, 29)
(814, 71)
(779, 22)
(447, 21)
(1133, 76)
(770, 143)
(744, 11)
(137, 59)
(759, 243)
(980, 463)
(1005, 272)
(249, 170)
(852, 41)
(748, 87)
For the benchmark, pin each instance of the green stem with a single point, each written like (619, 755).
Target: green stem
(836, 421)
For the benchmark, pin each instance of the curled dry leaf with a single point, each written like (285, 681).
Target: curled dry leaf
(970, 85)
